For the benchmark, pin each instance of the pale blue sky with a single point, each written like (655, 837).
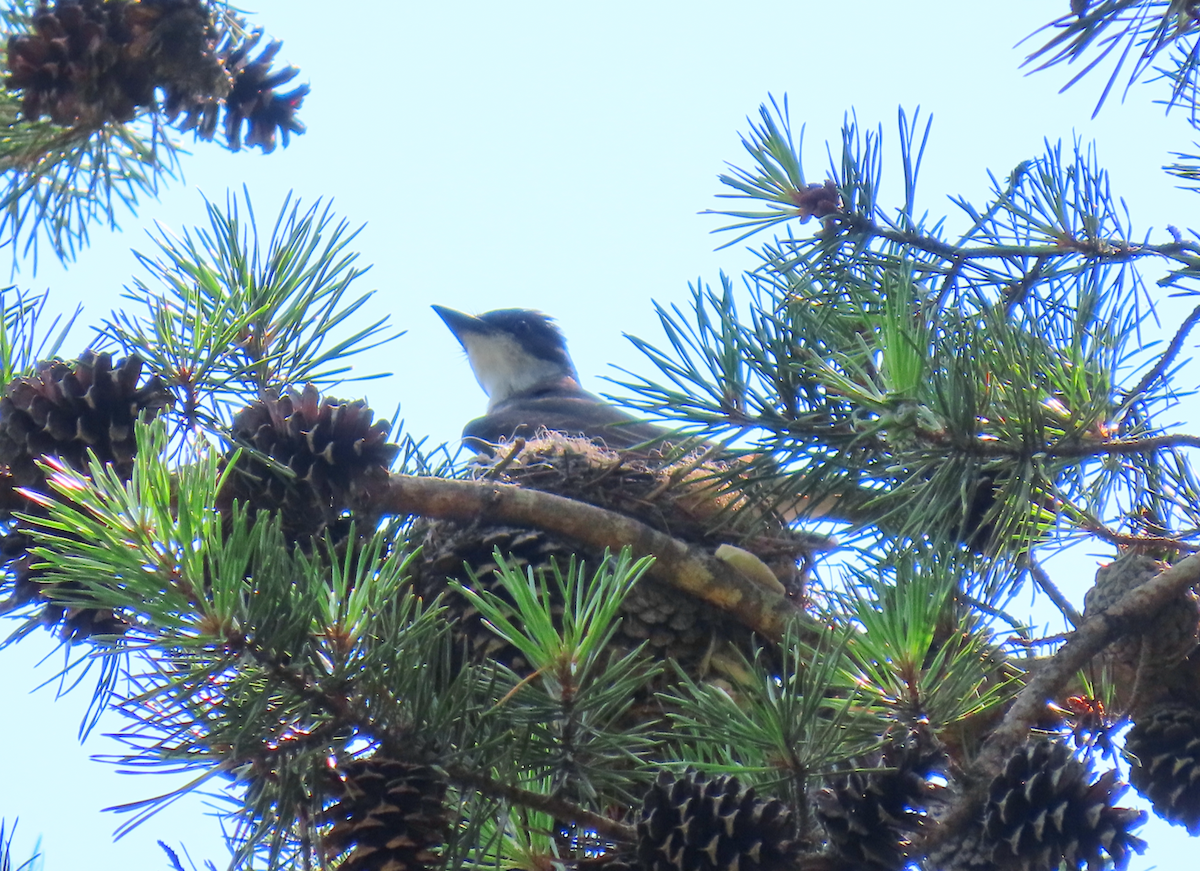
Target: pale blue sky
(554, 155)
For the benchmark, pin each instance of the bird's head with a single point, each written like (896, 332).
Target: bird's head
(512, 351)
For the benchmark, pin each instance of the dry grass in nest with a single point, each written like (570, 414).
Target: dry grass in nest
(695, 497)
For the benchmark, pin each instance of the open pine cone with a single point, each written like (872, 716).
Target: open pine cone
(68, 410)
(312, 459)
(692, 823)
(387, 816)
(90, 62)
(1045, 813)
(1165, 748)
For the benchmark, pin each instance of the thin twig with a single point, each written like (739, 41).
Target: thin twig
(1080, 449)
(1168, 356)
(1074, 448)
(1045, 640)
(1114, 250)
(1098, 529)
(517, 446)
(1019, 291)
(1042, 579)
(556, 807)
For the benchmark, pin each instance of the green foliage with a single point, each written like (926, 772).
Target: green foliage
(146, 538)
(22, 341)
(966, 388)
(1117, 32)
(782, 723)
(578, 702)
(968, 392)
(230, 319)
(777, 180)
(566, 652)
(238, 633)
(920, 655)
(288, 660)
(7, 862)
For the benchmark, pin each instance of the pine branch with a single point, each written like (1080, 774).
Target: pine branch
(232, 314)
(1048, 681)
(1141, 29)
(1100, 249)
(396, 741)
(1068, 449)
(89, 129)
(57, 182)
(676, 562)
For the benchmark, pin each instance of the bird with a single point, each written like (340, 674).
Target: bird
(520, 359)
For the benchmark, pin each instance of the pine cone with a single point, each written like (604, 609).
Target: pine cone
(254, 100)
(691, 823)
(74, 623)
(26, 583)
(67, 409)
(1042, 812)
(61, 66)
(336, 455)
(91, 62)
(1165, 768)
(183, 45)
(1142, 659)
(388, 816)
(14, 551)
(871, 817)
(248, 94)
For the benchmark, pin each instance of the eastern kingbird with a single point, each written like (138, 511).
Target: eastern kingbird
(520, 359)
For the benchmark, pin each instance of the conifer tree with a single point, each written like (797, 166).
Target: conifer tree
(783, 639)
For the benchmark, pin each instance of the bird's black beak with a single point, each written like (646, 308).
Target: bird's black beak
(461, 324)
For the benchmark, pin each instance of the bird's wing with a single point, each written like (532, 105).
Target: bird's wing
(570, 412)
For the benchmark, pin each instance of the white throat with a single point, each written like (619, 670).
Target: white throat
(504, 369)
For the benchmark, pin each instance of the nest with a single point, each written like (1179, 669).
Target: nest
(702, 497)
(695, 498)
